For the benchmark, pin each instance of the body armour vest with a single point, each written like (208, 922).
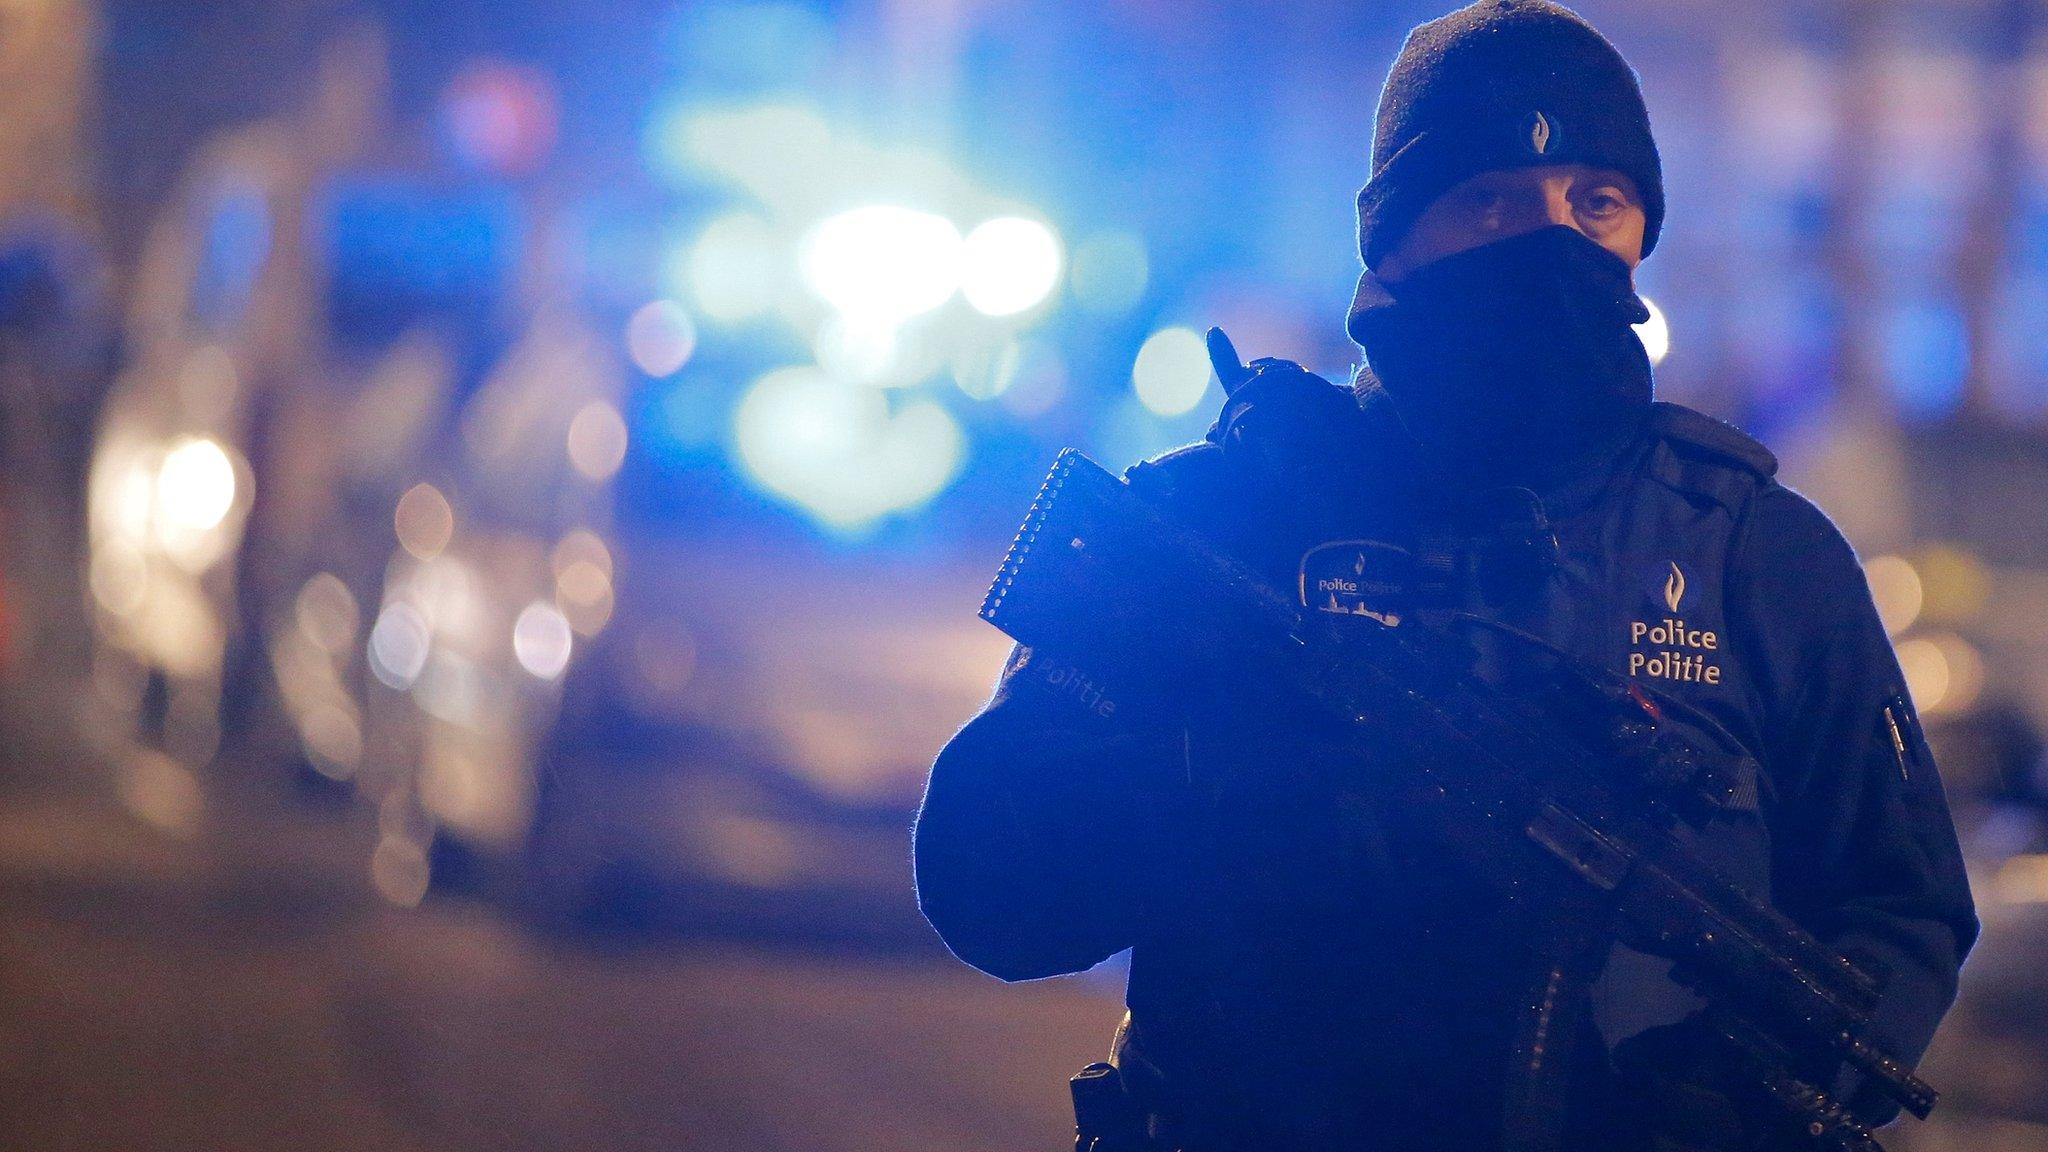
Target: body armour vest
(1344, 986)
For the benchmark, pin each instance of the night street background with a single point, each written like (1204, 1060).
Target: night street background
(494, 497)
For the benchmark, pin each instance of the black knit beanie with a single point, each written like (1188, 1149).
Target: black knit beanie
(1502, 84)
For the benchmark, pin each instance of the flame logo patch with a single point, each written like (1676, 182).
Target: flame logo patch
(1671, 649)
(1539, 132)
(1674, 587)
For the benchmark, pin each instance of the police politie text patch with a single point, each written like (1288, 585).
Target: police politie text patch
(1355, 578)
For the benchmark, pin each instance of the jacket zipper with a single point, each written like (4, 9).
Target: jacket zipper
(1891, 721)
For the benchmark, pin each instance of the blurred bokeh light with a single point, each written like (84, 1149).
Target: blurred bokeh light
(1172, 371)
(545, 459)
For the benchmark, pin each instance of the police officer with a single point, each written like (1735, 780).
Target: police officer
(1309, 970)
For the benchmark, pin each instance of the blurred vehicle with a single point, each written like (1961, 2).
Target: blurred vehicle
(463, 557)
(169, 489)
(353, 525)
(745, 745)
(347, 500)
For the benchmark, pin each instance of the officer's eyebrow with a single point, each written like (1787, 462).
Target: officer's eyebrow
(1592, 178)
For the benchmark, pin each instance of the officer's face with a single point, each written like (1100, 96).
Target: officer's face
(1600, 203)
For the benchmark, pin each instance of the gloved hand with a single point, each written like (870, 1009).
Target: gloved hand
(1279, 418)
(1683, 1081)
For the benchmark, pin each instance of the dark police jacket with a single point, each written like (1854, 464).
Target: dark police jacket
(1308, 970)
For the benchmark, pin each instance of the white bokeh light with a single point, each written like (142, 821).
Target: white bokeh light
(883, 263)
(597, 440)
(733, 270)
(1172, 371)
(1009, 265)
(778, 152)
(986, 372)
(195, 487)
(853, 348)
(542, 640)
(189, 500)
(398, 645)
(1655, 332)
(660, 338)
(835, 449)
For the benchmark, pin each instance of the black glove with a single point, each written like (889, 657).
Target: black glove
(1683, 1080)
(1280, 419)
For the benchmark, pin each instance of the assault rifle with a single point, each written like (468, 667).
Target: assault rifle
(1572, 810)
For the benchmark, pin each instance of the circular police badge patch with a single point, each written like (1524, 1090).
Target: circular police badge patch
(1355, 578)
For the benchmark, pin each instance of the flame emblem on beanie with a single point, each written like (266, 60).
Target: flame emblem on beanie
(1501, 84)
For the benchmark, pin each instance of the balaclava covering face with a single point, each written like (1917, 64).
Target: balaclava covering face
(1513, 359)
(1517, 357)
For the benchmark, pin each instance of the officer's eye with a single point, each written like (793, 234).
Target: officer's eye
(1601, 203)
(1486, 204)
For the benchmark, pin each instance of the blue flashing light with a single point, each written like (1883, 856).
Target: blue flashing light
(398, 251)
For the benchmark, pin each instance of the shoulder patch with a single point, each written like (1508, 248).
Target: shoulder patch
(1717, 438)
